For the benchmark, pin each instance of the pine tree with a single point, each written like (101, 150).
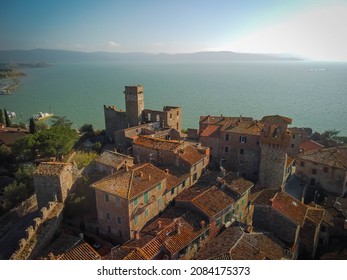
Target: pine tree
(32, 126)
(2, 120)
(7, 119)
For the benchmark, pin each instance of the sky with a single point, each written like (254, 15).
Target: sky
(313, 29)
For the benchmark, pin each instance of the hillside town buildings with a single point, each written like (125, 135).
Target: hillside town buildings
(220, 192)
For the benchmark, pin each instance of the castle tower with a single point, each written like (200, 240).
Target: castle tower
(274, 140)
(134, 104)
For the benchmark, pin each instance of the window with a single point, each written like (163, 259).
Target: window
(226, 137)
(325, 169)
(172, 191)
(108, 216)
(178, 113)
(241, 161)
(136, 219)
(218, 222)
(314, 171)
(120, 234)
(160, 201)
(242, 151)
(293, 136)
(184, 184)
(242, 202)
(145, 197)
(170, 115)
(107, 197)
(237, 207)
(159, 186)
(195, 177)
(109, 229)
(119, 220)
(226, 149)
(194, 168)
(302, 163)
(146, 213)
(135, 201)
(313, 181)
(292, 145)
(118, 202)
(243, 139)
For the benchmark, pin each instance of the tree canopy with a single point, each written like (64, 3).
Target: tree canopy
(56, 141)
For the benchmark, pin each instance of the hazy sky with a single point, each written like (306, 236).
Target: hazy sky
(315, 29)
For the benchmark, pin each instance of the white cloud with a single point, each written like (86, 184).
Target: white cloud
(112, 44)
(317, 34)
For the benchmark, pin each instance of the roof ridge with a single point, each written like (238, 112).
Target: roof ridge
(130, 184)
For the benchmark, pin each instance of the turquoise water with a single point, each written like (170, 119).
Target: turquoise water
(312, 94)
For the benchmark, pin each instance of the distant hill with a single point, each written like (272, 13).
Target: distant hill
(54, 56)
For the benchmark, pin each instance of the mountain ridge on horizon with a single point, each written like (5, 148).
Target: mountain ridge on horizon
(52, 56)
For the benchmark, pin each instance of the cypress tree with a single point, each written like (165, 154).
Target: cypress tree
(7, 119)
(2, 120)
(32, 126)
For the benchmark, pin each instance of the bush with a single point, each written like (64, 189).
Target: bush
(15, 192)
(84, 159)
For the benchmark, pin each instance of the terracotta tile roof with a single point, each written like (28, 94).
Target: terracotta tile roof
(257, 246)
(82, 251)
(129, 184)
(310, 145)
(176, 176)
(191, 155)
(237, 185)
(111, 158)
(234, 244)
(334, 157)
(221, 120)
(300, 130)
(263, 197)
(178, 228)
(8, 136)
(157, 144)
(136, 254)
(276, 119)
(211, 131)
(51, 168)
(191, 192)
(315, 214)
(243, 127)
(289, 161)
(290, 207)
(213, 201)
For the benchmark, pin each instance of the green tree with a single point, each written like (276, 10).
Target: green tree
(24, 175)
(61, 121)
(87, 129)
(25, 147)
(2, 120)
(7, 119)
(32, 126)
(41, 126)
(15, 192)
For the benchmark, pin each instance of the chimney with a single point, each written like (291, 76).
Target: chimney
(167, 171)
(202, 224)
(249, 229)
(149, 177)
(159, 224)
(126, 167)
(141, 174)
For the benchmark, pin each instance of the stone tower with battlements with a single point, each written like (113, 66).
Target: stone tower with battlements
(134, 104)
(274, 141)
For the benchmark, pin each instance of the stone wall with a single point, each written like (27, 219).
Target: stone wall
(114, 120)
(265, 218)
(272, 167)
(41, 233)
(241, 156)
(332, 180)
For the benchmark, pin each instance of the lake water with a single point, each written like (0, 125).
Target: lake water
(313, 94)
